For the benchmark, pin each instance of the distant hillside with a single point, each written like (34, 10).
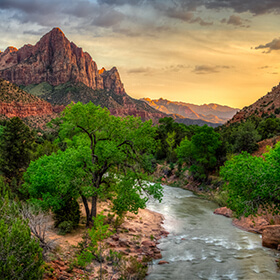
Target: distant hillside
(187, 121)
(213, 113)
(120, 105)
(265, 106)
(14, 102)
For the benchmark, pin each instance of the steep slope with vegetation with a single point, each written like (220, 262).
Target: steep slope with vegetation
(14, 102)
(268, 105)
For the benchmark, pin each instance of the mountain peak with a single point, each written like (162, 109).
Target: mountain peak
(56, 31)
(54, 36)
(56, 61)
(10, 49)
(101, 71)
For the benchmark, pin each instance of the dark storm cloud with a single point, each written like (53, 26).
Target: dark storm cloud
(150, 70)
(255, 7)
(37, 32)
(236, 21)
(274, 45)
(121, 2)
(112, 13)
(185, 16)
(47, 12)
(140, 70)
(208, 69)
(108, 18)
(28, 6)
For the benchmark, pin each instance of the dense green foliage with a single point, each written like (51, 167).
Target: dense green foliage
(15, 146)
(200, 152)
(244, 136)
(252, 182)
(105, 156)
(20, 253)
(169, 135)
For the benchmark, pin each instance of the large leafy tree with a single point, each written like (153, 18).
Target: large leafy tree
(106, 155)
(253, 182)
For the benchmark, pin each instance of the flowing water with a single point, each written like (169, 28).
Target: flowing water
(202, 245)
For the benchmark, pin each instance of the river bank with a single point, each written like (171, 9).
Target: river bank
(135, 240)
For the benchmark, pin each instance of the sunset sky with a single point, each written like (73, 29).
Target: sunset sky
(202, 51)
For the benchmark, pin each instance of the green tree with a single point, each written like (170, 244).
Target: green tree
(106, 156)
(252, 182)
(15, 148)
(200, 153)
(168, 130)
(245, 138)
(269, 127)
(20, 253)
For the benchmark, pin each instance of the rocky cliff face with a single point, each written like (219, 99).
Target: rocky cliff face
(265, 106)
(16, 103)
(55, 60)
(16, 109)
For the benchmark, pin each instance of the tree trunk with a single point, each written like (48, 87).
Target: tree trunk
(93, 206)
(89, 217)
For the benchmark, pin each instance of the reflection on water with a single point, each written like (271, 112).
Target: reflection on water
(202, 245)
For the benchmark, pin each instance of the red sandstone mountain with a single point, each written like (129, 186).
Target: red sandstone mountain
(213, 113)
(265, 106)
(55, 60)
(56, 63)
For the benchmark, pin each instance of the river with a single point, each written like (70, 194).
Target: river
(202, 245)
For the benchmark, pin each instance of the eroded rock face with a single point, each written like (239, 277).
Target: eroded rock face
(271, 236)
(21, 110)
(56, 60)
(14, 102)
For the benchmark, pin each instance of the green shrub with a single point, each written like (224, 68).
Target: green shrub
(70, 213)
(65, 227)
(20, 254)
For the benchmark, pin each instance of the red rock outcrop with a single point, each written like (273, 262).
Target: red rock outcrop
(15, 102)
(224, 211)
(56, 60)
(21, 110)
(271, 236)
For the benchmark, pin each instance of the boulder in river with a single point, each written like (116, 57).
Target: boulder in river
(271, 236)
